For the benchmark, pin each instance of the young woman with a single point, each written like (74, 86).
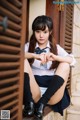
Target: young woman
(46, 70)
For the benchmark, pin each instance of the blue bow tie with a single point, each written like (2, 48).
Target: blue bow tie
(39, 51)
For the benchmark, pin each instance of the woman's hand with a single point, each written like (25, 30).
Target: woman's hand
(51, 57)
(45, 57)
(41, 57)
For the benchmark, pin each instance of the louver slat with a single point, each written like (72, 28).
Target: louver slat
(67, 44)
(14, 26)
(11, 33)
(67, 36)
(12, 56)
(67, 40)
(9, 57)
(9, 49)
(14, 109)
(68, 28)
(9, 64)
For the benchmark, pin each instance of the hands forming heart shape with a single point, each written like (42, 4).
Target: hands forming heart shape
(45, 57)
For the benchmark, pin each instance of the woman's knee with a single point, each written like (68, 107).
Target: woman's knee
(63, 68)
(55, 99)
(66, 66)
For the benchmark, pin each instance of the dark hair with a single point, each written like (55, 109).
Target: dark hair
(40, 23)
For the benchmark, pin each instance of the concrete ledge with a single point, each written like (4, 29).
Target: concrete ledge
(76, 94)
(73, 110)
(73, 113)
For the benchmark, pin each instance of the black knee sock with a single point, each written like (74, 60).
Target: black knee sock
(27, 95)
(54, 85)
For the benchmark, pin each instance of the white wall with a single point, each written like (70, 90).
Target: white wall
(75, 83)
(36, 8)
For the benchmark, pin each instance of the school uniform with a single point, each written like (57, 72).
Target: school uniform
(43, 75)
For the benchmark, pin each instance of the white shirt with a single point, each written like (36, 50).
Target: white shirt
(39, 69)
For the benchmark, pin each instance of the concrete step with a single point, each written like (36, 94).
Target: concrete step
(73, 113)
(75, 99)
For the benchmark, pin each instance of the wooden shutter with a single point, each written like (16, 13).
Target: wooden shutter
(12, 56)
(66, 30)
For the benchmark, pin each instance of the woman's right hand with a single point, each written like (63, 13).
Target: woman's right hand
(40, 57)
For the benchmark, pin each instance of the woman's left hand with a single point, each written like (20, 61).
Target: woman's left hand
(51, 57)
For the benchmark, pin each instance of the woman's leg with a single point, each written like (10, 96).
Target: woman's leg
(55, 90)
(63, 71)
(33, 84)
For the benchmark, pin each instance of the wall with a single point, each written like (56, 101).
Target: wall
(75, 83)
(36, 8)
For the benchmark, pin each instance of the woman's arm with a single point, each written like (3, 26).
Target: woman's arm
(53, 57)
(31, 55)
(40, 57)
(67, 59)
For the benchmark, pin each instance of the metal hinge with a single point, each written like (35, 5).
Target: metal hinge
(60, 5)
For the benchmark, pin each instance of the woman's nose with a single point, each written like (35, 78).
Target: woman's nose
(41, 34)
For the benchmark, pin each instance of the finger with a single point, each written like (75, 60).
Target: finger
(42, 59)
(45, 58)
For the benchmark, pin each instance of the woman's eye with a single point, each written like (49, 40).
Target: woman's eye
(37, 31)
(45, 31)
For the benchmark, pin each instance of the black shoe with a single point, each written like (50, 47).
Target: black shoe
(39, 111)
(29, 109)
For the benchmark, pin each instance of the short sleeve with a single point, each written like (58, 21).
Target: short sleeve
(63, 53)
(26, 47)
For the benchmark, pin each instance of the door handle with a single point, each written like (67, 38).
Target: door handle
(4, 23)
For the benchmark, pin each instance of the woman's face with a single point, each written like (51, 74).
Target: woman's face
(42, 36)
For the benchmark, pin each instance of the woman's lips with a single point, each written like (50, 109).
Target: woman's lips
(41, 39)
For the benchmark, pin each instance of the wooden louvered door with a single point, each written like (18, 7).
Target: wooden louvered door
(12, 56)
(66, 29)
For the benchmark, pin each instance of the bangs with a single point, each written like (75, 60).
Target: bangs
(40, 26)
